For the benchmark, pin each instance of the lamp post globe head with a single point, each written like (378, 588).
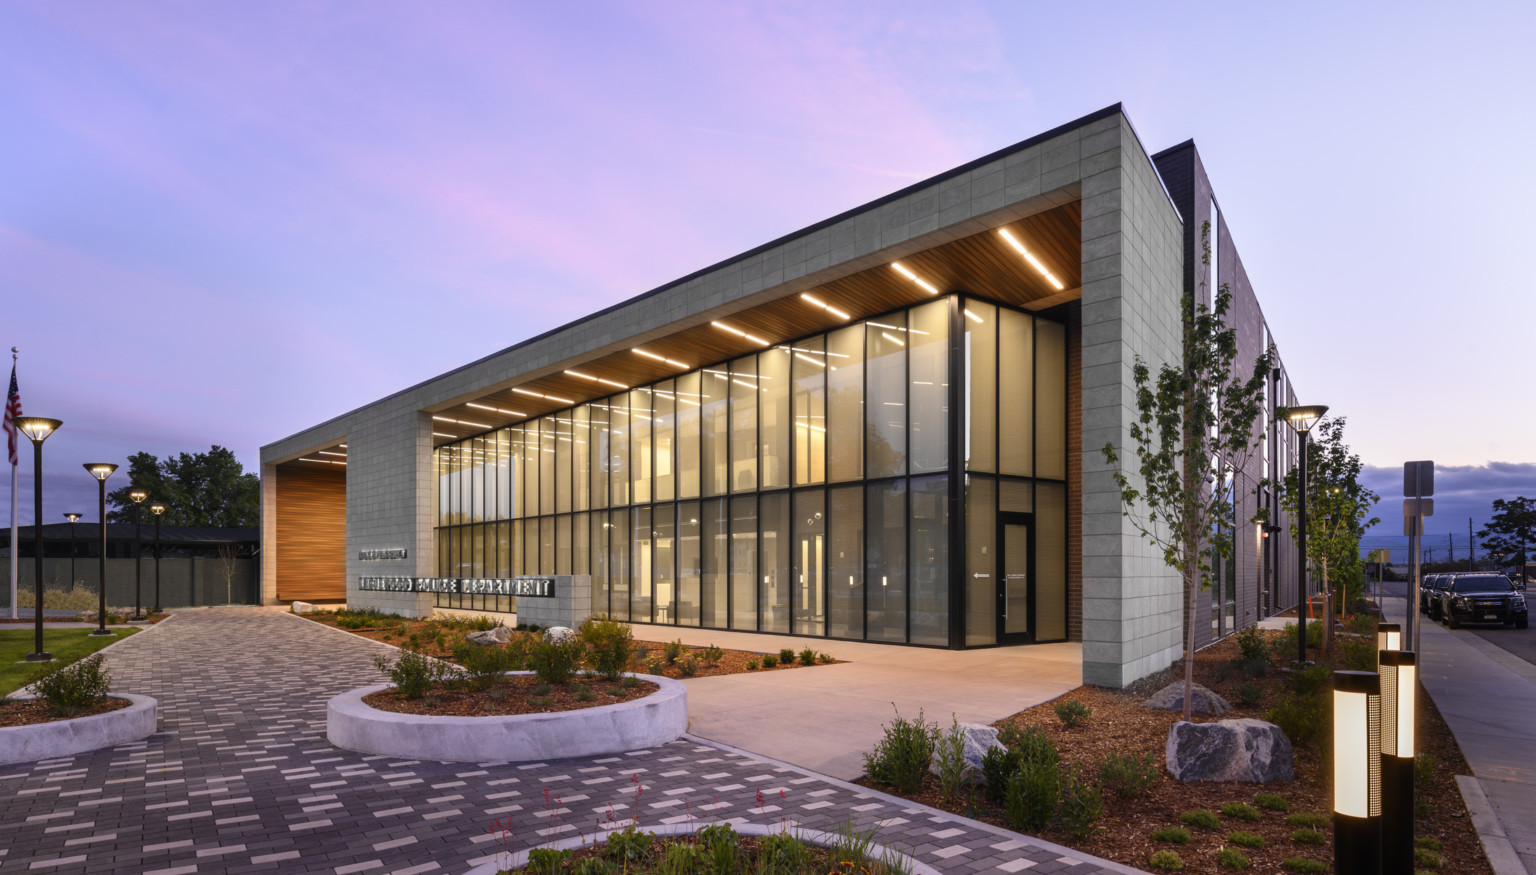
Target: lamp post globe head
(157, 508)
(73, 517)
(138, 495)
(36, 428)
(1303, 418)
(100, 470)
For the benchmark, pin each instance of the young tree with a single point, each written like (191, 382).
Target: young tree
(1337, 506)
(1195, 425)
(1512, 527)
(229, 564)
(199, 489)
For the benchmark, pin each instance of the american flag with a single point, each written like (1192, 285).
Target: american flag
(12, 410)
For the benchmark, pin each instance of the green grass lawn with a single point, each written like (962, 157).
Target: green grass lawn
(65, 644)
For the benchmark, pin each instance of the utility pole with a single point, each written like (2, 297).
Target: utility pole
(1450, 541)
(1471, 548)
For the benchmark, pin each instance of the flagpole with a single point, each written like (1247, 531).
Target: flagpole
(14, 551)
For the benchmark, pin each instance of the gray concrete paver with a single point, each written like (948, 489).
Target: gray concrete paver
(240, 779)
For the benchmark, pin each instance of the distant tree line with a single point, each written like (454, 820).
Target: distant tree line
(199, 489)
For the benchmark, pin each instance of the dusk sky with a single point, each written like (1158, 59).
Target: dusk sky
(221, 223)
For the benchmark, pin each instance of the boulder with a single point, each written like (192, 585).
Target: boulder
(558, 633)
(497, 635)
(1229, 750)
(979, 738)
(303, 608)
(1171, 698)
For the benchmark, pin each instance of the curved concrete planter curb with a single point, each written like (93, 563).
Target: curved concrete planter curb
(641, 723)
(752, 830)
(66, 738)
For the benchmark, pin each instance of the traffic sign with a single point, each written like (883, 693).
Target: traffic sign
(1418, 507)
(1418, 479)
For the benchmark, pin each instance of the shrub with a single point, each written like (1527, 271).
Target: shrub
(751, 665)
(596, 866)
(1080, 806)
(657, 666)
(902, 756)
(787, 656)
(1231, 858)
(997, 766)
(76, 598)
(1423, 773)
(1427, 858)
(1251, 643)
(629, 845)
(672, 651)
(608, 645)
(807, 657)
(1307, 819)
(1241, 811)
(1129, 774)
(547, 861)
(682, 858)
(1176, 834)
(68, 689)
(770, 661)
(1253, 668)
(1308, 837)
(782, 854)
(712, 655)
(487, 665)
(1203, 819)
(949, 757)
(1029, 802)
(1427, 842)
(1072, 712)
(1358, 654)
(1167, 861)
(1246, 839)
(1271, 802)
(555, 662)
(1032, 744)
(825, 658)
(688, 666)
(1305, 866)
(1306, 712)
(414, 673)
(1247, 693)
(351, 622)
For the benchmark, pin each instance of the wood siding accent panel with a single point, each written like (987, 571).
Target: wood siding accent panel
(311, 534)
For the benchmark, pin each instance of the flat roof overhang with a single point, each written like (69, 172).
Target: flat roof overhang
(986, 263)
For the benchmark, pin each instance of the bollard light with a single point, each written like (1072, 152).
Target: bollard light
(1399, 689)
(1389, 636)
(1357, 772)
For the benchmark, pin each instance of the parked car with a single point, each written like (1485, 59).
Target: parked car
(1429, 594)
(1482, 598)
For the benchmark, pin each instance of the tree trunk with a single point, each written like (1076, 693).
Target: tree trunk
(1327, 611)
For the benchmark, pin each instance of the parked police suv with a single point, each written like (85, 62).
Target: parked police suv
(1481, 597)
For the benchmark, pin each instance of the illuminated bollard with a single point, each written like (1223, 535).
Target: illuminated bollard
(1389, 636)
(1357, 772)
(1399, 688)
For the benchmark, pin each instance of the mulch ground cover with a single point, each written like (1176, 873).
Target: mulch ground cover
(516, 695)
(31, 712)
(1119, 725)
(749, 848)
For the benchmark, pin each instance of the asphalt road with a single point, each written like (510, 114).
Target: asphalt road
(1520, 642)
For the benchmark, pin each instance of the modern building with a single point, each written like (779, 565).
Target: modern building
(884, 427)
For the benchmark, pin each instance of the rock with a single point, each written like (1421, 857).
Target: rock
(558, 633)
(979, 738)
(303, 607)
(1229, 750)
(1171, 698)
(498, 635)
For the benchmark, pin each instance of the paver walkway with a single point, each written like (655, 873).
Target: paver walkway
(241, 779)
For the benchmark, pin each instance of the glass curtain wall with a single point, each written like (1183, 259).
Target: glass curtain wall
(802, 489)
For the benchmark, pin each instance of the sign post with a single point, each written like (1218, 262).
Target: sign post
(1418, 485)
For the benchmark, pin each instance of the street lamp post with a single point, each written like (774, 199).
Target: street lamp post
(1302, 419)
(101, 471)
(73, 518)
(157, 509)
(37, 429)
(138, 496)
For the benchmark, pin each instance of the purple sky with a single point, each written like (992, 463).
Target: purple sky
(222, 223)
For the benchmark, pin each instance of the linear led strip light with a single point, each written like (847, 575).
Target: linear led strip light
(660, 358)
(1030, 257)
(902, 269)
(462, 422)
(585, 376)
(533, 394)
(812, 299)
(501, 410)
(321, 461)
(739, 333)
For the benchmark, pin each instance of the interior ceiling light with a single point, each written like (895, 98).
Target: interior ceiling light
(900, 268)
(825, 306)
(321, 461)
(1030, 257)
(440, 434)
(896, 328)
(329, 453)
(494, 409)
(806, 358)
(343, 446)
(521, 391)
(972, 316)
(461, 422)
(739, 333)
(597, 379)
(892, 338)
(661, 358)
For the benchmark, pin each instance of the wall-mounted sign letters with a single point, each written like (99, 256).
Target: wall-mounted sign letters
(380, 555)
(527, 587)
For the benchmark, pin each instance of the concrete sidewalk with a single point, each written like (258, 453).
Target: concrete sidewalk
(827, 718)
(1488, 699)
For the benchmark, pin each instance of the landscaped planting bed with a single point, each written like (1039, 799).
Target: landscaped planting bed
(1113, 759)
(66, 645)
(522, 694)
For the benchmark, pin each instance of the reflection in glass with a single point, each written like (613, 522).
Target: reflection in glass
(776, 581)
(845, 403)
(773, 418)
(928, 397)
(808, 369)
(885, 444)
(809, 557)
(690, 568)
(744, 562)
(886, 558)
(744, 392)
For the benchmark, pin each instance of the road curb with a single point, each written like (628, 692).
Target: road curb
(1497, 847)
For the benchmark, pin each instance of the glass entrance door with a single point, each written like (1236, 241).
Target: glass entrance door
(1015, 564)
